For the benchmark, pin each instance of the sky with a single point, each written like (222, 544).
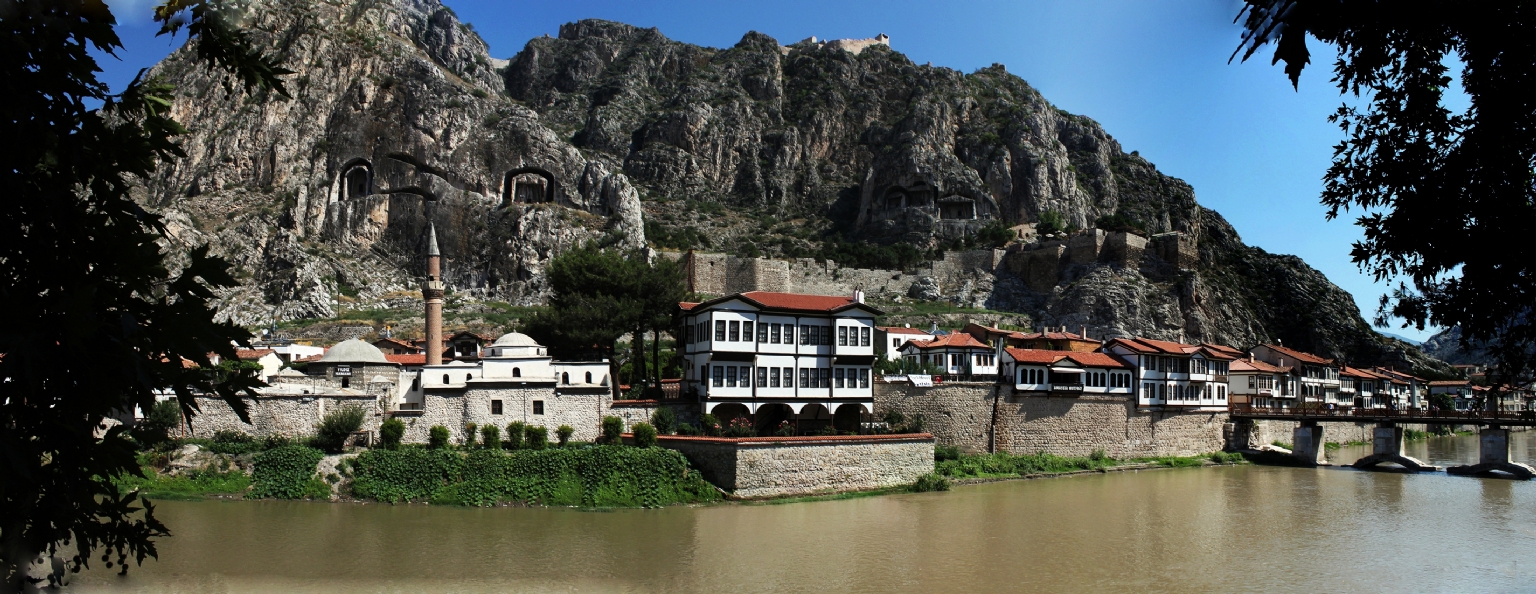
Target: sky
(1154, 74)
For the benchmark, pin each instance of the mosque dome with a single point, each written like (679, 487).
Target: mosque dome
(354, 351)
(515, 339)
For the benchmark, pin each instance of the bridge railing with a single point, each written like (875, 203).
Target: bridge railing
(1316, 411)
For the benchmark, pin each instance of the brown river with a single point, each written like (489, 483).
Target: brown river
(1240, 528)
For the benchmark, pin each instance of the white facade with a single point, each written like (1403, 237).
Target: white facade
(513, 359)
(1316, 378)
(1067, 373)
(1172, 374)
(759, 348)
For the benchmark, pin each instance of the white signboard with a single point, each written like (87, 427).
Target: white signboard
(921, 381)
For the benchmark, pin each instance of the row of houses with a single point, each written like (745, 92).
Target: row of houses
(757, 349)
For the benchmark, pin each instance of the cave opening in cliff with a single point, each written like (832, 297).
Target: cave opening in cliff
(356, 179)
(954, 207)
(528, 185)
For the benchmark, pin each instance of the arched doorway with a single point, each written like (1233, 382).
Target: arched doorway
(726, 411)
(813, 419)
(848, 417)
(356, 179)
(774, 416)
(527, 185)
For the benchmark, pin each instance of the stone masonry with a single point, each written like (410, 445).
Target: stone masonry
(294, 416)
(719, 274)
(778, 466)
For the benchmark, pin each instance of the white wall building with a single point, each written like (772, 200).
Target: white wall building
(750, 350)
(1067, 373)
(1317, 378)
(1172, 374)
(956, 353)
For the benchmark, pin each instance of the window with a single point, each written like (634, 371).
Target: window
(735, 335)
(777, 331)
(773, 377)
(538, 407)
(469, 376)
(816, 332)
(730, 376)
(565, 378)
(495, 407)
(347, 382)
(688, 334)
(842, 336)
(746, 331)
(863, 378)
(804, 378)
(445, 379)
(826, 335)
(762, 332)
(589, 377)
(762, 376)
(415, 383)
(517, 372)
(826, 377)
(720, 330)
(864, 336)
(719, 380)
(805, 334)
(746, 377)
(837, 378)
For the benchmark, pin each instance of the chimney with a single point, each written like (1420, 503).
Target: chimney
(1083, 332)
(935, 329)
(907, 325)
(432, 292)
(858, 295)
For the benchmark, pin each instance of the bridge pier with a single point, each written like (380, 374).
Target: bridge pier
(1387, 446)
(1308, 444)
(1493, 456)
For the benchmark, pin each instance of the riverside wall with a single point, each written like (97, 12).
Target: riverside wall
(293, 416)
(779, 466)
(982, 417)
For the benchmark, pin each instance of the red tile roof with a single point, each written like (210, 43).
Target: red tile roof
(413, 359)
(1257, 365)
(1050, 336)
(953, 340)
(686, 305)
(252, 354)
(790, 302)
(900, 330)
(1044, 357)
(1299, 356)
(1148, 345)
(1224, 350)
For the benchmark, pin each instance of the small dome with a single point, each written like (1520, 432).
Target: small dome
(515, 339)
(354, 351)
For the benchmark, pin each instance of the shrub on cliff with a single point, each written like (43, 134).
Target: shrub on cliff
(331, 435)
(514, 439)
(645, 435)
(437, 437)
(612, 428)
(288, 472)
(490, 437)
(390, 433)
(601, 476)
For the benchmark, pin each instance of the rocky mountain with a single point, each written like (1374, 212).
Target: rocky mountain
(1446, 346)
(399, 117)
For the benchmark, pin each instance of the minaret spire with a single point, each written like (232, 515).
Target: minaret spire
(432, 292)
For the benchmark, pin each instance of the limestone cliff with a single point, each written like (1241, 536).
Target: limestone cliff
(399, 116)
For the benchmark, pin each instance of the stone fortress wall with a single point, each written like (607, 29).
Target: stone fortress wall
(779, 466)
(1040, 264)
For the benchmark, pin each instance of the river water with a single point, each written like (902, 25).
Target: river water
(1241, 528)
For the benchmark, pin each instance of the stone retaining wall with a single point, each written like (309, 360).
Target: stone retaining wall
(294, 416)
(962, 415)
(640, 411)
(778, 466)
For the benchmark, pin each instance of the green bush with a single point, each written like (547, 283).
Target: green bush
(930, 482)
(1098, 455)
(288, 472)
(274, 441)
(537, 437)
(943, 452)
(228, 441)
(1005, 464)
(686, 429)
(1228, 458)
(564, 433)
(664, 420)
(514, 439)
(155, 428)
(645, 435)
(469, 435)
(740, 427)
(437, 437)
(391, 432)
(490, 437)
(709, 425)
(613, 427)
(337, 425)
(1051, 222)
(601, 476)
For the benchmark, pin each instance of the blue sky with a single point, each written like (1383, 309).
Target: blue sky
(1154, 74)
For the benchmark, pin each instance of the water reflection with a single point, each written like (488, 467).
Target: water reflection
(1191, 530)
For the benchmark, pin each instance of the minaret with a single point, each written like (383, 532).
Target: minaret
(432, 292)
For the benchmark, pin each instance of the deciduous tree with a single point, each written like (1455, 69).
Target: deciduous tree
(98, 320)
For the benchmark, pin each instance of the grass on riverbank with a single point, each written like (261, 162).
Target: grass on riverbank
(952, 464)
(190, 485)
